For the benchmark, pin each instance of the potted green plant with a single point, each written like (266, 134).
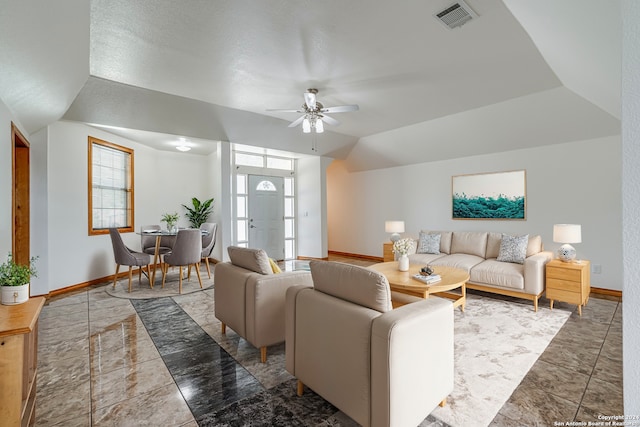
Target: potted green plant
(171, 220)
(199, 213)
(14, 280)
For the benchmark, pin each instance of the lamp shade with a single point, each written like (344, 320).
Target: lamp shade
(394, 226)
(306, 126)
(567, 233)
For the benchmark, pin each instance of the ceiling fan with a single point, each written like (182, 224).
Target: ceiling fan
(314, 113)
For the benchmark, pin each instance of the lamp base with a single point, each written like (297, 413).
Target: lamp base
(566, 253)
(395, 237)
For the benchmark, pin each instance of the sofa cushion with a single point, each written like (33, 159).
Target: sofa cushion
(445, 239)
(424, 258)
(428, 243)
(513, 248)
(534, 246)
(497, 273)
(494, 240)
(493, 245)
(251, 259)
(462, 261)
(469, 242)
(352, 283)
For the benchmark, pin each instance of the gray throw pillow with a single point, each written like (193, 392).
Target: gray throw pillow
(513, 248)
(428, 244)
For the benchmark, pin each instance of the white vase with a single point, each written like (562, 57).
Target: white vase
(403, 263)
(12, 295)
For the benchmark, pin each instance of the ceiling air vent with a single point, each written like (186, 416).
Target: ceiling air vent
(456, 15)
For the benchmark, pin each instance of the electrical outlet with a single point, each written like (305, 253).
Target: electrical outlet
(597, 269)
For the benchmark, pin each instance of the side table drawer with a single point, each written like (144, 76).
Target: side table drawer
(564, 295)
(564, 274)
(563, 285)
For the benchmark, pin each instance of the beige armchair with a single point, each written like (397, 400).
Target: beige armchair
(249, 297)
(380, 366)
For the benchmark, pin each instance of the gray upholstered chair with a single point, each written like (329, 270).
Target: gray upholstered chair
(380, 366)
(208, 242)
(186, 252)
(126, 256)
(249, 297)
(148, 243)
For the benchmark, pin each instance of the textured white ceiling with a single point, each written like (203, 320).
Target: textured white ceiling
(393, 59)
(44, 57)
(208, 70)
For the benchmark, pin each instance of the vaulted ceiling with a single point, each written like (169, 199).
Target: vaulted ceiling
(523, 73)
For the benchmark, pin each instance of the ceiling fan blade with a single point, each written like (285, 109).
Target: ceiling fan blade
(310, 100)
(296, 122)
(285, 111)
(330, 120)
(340, 109)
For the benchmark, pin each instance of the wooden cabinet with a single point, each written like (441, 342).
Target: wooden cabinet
(387, 252)
(569, 282)
(19, 362)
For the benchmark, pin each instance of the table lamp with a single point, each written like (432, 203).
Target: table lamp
(565, 234)
(395, 228)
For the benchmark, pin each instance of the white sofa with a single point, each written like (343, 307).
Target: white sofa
(477, 252)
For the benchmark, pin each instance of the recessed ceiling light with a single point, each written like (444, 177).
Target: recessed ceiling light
(183, 148)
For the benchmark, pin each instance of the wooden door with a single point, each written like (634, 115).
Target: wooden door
(20, 197)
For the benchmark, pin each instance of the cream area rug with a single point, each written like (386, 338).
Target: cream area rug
(171, 288)
(496, 343)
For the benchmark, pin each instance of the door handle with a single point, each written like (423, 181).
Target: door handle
(252, 226)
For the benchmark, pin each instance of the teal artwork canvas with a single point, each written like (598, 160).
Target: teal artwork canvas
(495, 195)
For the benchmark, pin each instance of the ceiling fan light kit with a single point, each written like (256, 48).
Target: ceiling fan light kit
(314, 113)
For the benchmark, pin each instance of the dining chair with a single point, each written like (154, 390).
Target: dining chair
(148, 243)
(187, 251)
(208, 243)
(126, 256)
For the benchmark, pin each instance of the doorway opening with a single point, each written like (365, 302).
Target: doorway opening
(264, 208)
(20, 197)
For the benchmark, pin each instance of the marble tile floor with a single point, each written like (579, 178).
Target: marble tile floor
(164, 362)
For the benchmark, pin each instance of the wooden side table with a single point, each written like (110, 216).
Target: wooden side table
(19, 361)
(569, 282)
(387, 252)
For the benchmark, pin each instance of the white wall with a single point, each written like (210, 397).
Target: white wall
(631, 202)
(568, 183)
(6, 117)
(39, 210)
(163, 181)
(214, 178)
(311, 206)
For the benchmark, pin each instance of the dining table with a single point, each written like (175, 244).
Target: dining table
(158, 234)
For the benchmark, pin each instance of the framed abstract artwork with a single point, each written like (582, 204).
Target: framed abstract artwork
(495, 195)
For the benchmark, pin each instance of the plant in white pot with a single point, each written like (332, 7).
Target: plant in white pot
(14, 280)
(171, 220)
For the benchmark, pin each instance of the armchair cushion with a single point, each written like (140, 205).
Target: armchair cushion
(250, 259)
(359, 285)
(274, 266)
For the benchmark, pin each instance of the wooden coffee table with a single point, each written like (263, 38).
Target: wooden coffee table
(403, 282)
